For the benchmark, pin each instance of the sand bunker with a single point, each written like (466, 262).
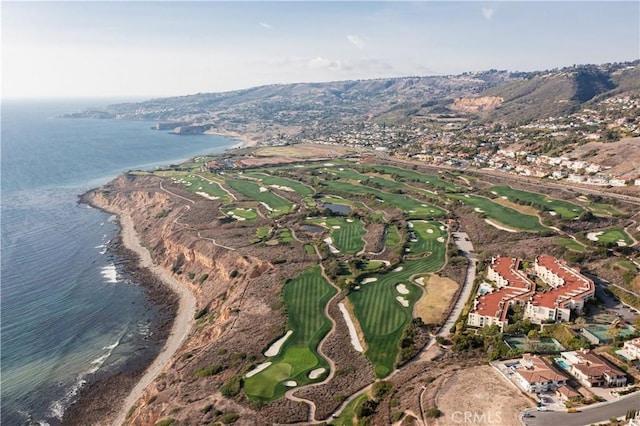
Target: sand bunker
(263, 189)
(368, 280)
(266, 206)
(402, 289)
(404, 302)
(440, 239)
(593, 236)
(290, 383)
(352, 328)
(314, 374)
(207, 196)
(274, 349)
(442, 227)
(410, 224)
(336, 226)
(282, 188)
(503, 228)
(553, 213)
(621, 243)
(478, 209)
(420, 281)
(429, 231)
(258, 369)
(398, 269)
(350, 220)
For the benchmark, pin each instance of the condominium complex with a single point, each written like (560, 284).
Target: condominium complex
(568, 290)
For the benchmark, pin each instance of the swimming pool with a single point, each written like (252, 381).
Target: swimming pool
(561, 363)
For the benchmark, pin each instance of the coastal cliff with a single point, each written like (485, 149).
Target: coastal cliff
(238, 310)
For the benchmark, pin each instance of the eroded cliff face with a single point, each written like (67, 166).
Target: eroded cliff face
(477, 105)
(238, 305)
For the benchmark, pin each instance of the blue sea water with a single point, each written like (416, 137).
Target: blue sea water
(66, 309)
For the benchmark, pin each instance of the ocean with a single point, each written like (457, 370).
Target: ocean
(67, 310)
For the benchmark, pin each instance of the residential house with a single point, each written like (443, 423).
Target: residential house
(631, 350)
(593, 371)
(538, 375)
(565, 393)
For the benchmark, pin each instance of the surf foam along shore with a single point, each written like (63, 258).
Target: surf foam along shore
(123, 388)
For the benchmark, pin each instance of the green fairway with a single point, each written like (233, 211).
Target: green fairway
(285, 235)
(505, 215)
(412, 176)
(571, 244)
(431, 238)
(393, 237)
(371, 265)
(305, 298)
(346, 233)
(344, 173)
(381, 315)
(539, 201)
(613, 235)
(281, 183)
(625, 264)
(348, 416)
(414, 208)
(276, 205)
(241, 213)
(201, 186)
(604, 209)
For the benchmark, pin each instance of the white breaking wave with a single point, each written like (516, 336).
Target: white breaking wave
(57, 408)
(110, 273)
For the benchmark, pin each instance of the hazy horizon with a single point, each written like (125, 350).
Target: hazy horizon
(141, 50)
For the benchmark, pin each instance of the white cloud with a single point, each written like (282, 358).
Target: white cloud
(488, 13)
(356, 41)
(324, 63)
(265, 25)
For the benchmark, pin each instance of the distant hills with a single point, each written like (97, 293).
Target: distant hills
(500, 96)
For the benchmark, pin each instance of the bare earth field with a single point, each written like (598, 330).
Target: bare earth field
(302, 151)
(436, 299)
(480, 394)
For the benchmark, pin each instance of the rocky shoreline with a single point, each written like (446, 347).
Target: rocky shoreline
(100, 400)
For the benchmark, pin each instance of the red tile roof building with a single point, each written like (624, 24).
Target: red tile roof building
(570, 290)
(513, 287)
(537, 375)
(594, 371)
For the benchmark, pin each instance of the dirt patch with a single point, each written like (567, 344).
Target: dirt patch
(476, 105)
(491, 401)
(301, 151)
(518, 207)
(439, 292)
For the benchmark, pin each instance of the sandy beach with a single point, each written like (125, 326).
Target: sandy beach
(181, 325)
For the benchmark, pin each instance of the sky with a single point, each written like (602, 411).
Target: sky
(150, 49)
